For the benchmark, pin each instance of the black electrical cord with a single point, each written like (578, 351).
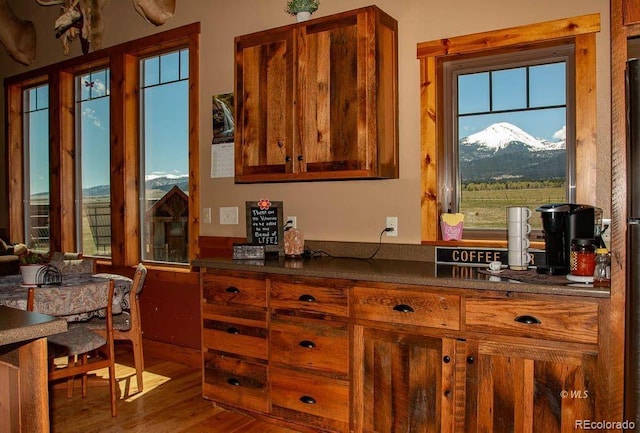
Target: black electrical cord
(324, 253)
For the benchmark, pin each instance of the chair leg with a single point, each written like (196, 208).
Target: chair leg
(138, 359)
(85, 377)
(70, 361)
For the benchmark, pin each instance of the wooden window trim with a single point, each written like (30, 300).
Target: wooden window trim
(123, 61)
(578, 30)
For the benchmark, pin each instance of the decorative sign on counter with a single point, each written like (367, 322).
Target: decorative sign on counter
(480, 256)
(265, 224)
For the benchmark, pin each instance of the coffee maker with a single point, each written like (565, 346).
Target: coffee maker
(562, 222)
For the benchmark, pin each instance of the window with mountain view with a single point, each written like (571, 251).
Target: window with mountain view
(36, 157)
(165, 157)
(93, 165)
(510, 132)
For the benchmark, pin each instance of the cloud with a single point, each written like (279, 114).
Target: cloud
(90, 114)
(560, 134)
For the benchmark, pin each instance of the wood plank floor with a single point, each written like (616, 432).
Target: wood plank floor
(171, 403)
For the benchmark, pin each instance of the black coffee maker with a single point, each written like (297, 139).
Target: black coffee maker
(562, 222)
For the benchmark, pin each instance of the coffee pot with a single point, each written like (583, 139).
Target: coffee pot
(561, 223)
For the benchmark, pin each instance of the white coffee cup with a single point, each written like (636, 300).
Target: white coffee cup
(518, 228)
(518, 242)
(518, 213)
(519, 260)
(495, 265)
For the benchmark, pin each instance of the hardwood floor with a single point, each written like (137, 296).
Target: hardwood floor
(171, 403)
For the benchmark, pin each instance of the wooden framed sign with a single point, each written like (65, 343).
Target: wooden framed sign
(265, 225)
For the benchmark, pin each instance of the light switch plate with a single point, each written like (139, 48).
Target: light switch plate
(229, 215)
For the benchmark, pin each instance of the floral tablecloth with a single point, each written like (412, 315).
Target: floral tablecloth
(14, 294)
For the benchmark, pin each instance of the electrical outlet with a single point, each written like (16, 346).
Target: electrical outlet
(294, 221)
(606, 235)
(392, 222)
(229, 215)
(206, 215)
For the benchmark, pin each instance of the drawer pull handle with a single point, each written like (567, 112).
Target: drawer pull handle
(528, 320)
(306, 399)
(403, 308)
(232, 289)
(234, 331)
(233, 381)
(307, 344)
(306, 298)
(470, 360)
(446, 359)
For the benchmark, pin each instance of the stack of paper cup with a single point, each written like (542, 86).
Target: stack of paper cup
(518, 229)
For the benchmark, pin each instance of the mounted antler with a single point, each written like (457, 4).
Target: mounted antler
(17, 36)
(156, 12)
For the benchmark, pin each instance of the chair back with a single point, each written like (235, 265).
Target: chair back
(71, 300)
(138, 279)
(72, 263)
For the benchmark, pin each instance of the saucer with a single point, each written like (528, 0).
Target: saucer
(579, 278)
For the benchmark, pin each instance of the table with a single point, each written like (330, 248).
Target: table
(24, 395)
(14, 294)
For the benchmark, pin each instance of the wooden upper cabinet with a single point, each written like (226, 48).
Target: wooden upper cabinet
(631, 12)
(318, 100)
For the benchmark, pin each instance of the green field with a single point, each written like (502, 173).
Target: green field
(486, 209)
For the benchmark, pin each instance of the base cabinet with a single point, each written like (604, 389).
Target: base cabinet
(512, 387)
(402, 382)
(335, 355)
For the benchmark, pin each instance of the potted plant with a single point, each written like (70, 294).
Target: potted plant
(302, 9)
(30, 264)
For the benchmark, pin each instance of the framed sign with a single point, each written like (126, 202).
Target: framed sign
(265, 225)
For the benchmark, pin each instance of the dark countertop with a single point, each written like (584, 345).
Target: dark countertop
(410, 272)
(19, 325)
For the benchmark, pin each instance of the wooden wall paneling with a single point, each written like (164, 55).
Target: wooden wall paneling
(55, 164)
(63, 137)
(612, 334)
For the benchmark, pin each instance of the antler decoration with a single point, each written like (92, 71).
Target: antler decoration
(17, 36)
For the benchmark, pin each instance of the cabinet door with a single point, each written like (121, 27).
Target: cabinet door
(263, 106)
(403, 382)
(518, 388)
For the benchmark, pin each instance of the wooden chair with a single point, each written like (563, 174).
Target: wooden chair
(86, 350)
(128, 325)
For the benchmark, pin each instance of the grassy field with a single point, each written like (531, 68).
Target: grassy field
(487, 209)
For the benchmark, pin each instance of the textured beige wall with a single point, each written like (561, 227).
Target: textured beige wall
(345, 211)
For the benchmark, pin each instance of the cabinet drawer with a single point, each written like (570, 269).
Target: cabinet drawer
(407, 307)
(228, 290)
(236, 382)
(314, 344)
(554, 320)
(325, 298)
(311, 399)
(235, 338)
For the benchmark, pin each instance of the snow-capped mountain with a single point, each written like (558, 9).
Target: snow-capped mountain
(503, 151)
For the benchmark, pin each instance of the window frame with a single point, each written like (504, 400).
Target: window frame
(122, 60)
(449, 175)
(577, 31)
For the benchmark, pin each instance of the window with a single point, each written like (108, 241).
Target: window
(36, 157)
(92, 159)
(522, 76)
(165, 157)
(117, 117)
(508, 135)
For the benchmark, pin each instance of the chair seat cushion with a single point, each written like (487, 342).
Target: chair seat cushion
(121, 322)
(77, 339)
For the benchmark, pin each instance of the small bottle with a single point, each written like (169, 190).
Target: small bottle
(602, 271)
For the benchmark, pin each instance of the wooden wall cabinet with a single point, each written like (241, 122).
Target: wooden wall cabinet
(630, 12)
(318, 100)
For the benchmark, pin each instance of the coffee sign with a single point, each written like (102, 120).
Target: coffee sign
(265, 225)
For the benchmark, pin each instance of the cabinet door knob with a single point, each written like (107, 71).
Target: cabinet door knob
(233, 381)
(403, 308)
(232, 289)
(306, 298)
(470, 360)
(300, 158)
(307, 344)
(288, 159)
(306, 399)
(528, 320)
(280, 143)
(446, 359)
(234, 331)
